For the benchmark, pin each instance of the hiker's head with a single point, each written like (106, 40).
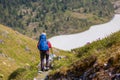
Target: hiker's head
(44, 32)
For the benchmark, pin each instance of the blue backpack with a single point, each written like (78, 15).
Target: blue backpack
(43, 44)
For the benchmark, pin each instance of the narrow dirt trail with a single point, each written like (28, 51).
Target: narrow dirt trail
(42, 76)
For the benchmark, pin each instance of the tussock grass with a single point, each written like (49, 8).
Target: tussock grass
(105, 51)
(16, 51)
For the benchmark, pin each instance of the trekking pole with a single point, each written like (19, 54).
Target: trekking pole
(52, 56)
(52, 50)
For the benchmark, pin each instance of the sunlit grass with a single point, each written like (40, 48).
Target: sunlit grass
(18, 49)
(100, 51)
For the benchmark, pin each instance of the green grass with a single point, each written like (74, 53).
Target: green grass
(22, 63)
(100, 51)
(19, 50)
(100, 48)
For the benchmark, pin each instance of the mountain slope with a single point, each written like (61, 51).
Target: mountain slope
(31, 17)
(16, 51)
(96, 61)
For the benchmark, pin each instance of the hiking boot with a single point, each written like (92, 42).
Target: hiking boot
(40, 71)
(47, 68)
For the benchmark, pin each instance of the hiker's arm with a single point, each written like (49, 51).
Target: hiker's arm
(37, 44)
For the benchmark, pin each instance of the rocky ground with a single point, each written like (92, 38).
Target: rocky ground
(95, 72)
(42, 76)
(117, 6)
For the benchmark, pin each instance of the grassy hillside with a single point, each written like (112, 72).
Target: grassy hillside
(57, 17)
(98, 60)
(17, 53)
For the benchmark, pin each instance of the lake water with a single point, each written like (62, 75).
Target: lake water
(68, 42)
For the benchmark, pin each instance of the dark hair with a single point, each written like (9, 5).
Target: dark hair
(44, 31)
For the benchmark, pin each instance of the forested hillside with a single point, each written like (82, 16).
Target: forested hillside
(31, 17)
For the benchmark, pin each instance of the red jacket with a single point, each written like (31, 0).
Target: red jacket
(49, 45)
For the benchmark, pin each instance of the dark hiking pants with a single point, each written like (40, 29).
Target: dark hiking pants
(44, 54)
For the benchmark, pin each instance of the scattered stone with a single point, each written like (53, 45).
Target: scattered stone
(4, 63)
(105, 64)
(16, 32)
(11, 59)
(5, 34)
(92, 76)
(3, 55)
(51, 57)
(42, 76)
(59, 57)
(9, 65)
(116, 77)
(109, 63)
(27, 66)
(117, 7)
(1, 41)
(88, 43)
(27, 48)
(117, 11)
(1, 76)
